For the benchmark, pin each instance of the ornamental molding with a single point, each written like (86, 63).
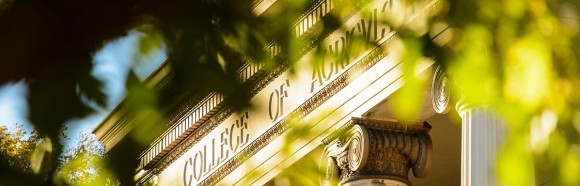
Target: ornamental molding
(115, 122)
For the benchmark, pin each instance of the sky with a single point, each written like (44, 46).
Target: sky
(111, 65)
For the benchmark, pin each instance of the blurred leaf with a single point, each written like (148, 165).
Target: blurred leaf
(515, 165)
(40, 157)
(570, 166)
(409, 99)
(528, 72)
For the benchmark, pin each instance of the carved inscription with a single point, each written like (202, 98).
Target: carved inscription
(208, 158)
(228, 145)
(341, 50)
(276, 103)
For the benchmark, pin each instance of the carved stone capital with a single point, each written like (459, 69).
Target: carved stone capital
(440, 92)
(376, 149)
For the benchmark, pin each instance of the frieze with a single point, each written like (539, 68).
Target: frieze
(304, 109)
(146, 158)
(364, 64)
(192, 139)
(213, 122)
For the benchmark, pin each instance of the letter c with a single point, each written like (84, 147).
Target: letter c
(185, 181)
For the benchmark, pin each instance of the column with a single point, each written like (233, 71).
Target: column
(377, 152)
(481, 134)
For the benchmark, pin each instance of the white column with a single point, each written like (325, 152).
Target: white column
(482, 133)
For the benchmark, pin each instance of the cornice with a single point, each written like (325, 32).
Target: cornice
(119, 117)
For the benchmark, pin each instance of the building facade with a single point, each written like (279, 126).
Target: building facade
(340, 112)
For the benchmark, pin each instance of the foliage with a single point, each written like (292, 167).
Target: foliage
(80, 165)
(49, 45)
(84, 164)
(518, 57)
(16, 148)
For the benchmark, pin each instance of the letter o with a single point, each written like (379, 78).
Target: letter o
(274, 117)
(197, 175)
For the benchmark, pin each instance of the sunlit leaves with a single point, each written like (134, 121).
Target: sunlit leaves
(150, 40)
(528, 72)
(473, 68)
(84, 164)
(518, 58)
(304, 172)
(40, 157)
(16, 148)
(515, 162)
(540, 129)
(409, 99)
(570, 166)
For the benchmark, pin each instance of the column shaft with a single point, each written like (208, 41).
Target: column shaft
(482, 132)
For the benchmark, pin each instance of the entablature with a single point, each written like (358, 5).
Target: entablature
(195, 119)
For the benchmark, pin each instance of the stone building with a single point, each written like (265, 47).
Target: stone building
(345, 107)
